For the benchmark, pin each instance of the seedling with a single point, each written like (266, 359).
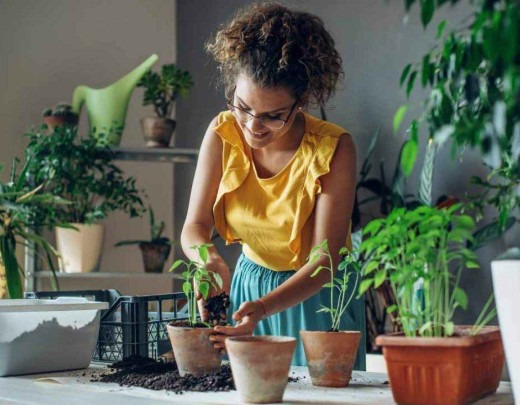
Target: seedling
(348, 267)
(196, 273)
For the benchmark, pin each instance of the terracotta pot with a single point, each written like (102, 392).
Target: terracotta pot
(154, 256)
(330, 356)
(157, 131)
(448, 371)
(54, 121)
(193, 351)
(80, 250)
(260, 366)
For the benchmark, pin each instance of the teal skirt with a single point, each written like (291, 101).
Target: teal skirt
(252, 281)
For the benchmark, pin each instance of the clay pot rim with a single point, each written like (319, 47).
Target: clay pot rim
(486, 334)
(191, 328)
(156, 118)
(326, 333)
(267, 340)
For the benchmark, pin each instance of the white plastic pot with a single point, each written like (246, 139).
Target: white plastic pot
(506, 284)
(39, 336)
(80, 249)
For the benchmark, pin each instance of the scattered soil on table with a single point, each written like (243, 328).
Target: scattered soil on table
(144, 372)
(147, 373)
(217, 309)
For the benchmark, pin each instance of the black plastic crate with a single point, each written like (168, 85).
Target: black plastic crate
(133, 325)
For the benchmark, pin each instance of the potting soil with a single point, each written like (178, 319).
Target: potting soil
(147, 373)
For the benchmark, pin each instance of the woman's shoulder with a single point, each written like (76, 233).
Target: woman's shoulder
(224, 124)
(320, 128)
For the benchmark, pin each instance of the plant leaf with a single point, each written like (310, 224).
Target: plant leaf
(399, 116)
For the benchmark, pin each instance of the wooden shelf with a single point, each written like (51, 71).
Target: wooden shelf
(167, 155)
(106, 274)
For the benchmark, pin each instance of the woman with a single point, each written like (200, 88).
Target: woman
(272, 177)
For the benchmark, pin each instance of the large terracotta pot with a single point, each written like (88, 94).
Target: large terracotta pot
(80, 250)
(330, 356)
(260, 366)
(443, 371)
(193, 350)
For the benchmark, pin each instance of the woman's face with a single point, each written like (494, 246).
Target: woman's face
(271, 103)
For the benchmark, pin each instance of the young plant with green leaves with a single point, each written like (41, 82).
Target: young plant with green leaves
(339, 281)
(412, 248)
(196, 274)
(78, 170)
(18, 204)
(162, 89)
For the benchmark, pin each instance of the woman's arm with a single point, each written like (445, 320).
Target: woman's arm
(199, 224)
(332, 217)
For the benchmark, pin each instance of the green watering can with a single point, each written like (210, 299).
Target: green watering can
(107, 107)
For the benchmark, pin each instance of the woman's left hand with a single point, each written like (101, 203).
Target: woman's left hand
(247, 316)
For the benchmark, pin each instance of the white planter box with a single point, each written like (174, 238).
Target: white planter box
(39, 336)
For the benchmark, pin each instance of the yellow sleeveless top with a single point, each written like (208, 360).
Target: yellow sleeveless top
(273, 217)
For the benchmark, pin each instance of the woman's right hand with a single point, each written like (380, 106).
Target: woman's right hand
(218, 266)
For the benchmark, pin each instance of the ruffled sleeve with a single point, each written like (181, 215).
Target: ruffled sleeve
(235, 168)
(323, 148)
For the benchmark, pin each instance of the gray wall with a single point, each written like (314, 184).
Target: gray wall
(47, 48)
(375, 46)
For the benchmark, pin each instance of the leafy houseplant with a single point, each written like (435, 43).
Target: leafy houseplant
(418, 247)
(472, 75)
(161, 91)
(156, 250)
(78, 170)
(193, 350)
(17, 205)
(61, 115)
(326, 369)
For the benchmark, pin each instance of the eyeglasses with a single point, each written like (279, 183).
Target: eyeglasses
(273, 123)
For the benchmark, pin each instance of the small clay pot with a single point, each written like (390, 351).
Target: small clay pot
(154, 256)
(260, 366)
(330, 356)
(193, 350)
(157, 131)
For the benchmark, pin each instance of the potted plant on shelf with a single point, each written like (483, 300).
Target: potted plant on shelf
(156, 250)
(78, 170)
(18, 204)
(62, 114)
(192, 348)
(331, 355)
(472, 78)
(432, 361)
(161, 91)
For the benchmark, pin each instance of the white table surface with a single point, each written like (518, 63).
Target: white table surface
(73, 387)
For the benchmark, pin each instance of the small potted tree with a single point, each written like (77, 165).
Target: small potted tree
(78, 170)
(331, 354)
(18, 202)
(433, 361)
(62, 114)
(156, 250)
(193, 350)
(161, 91)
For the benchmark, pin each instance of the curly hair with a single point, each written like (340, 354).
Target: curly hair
(277, 46)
